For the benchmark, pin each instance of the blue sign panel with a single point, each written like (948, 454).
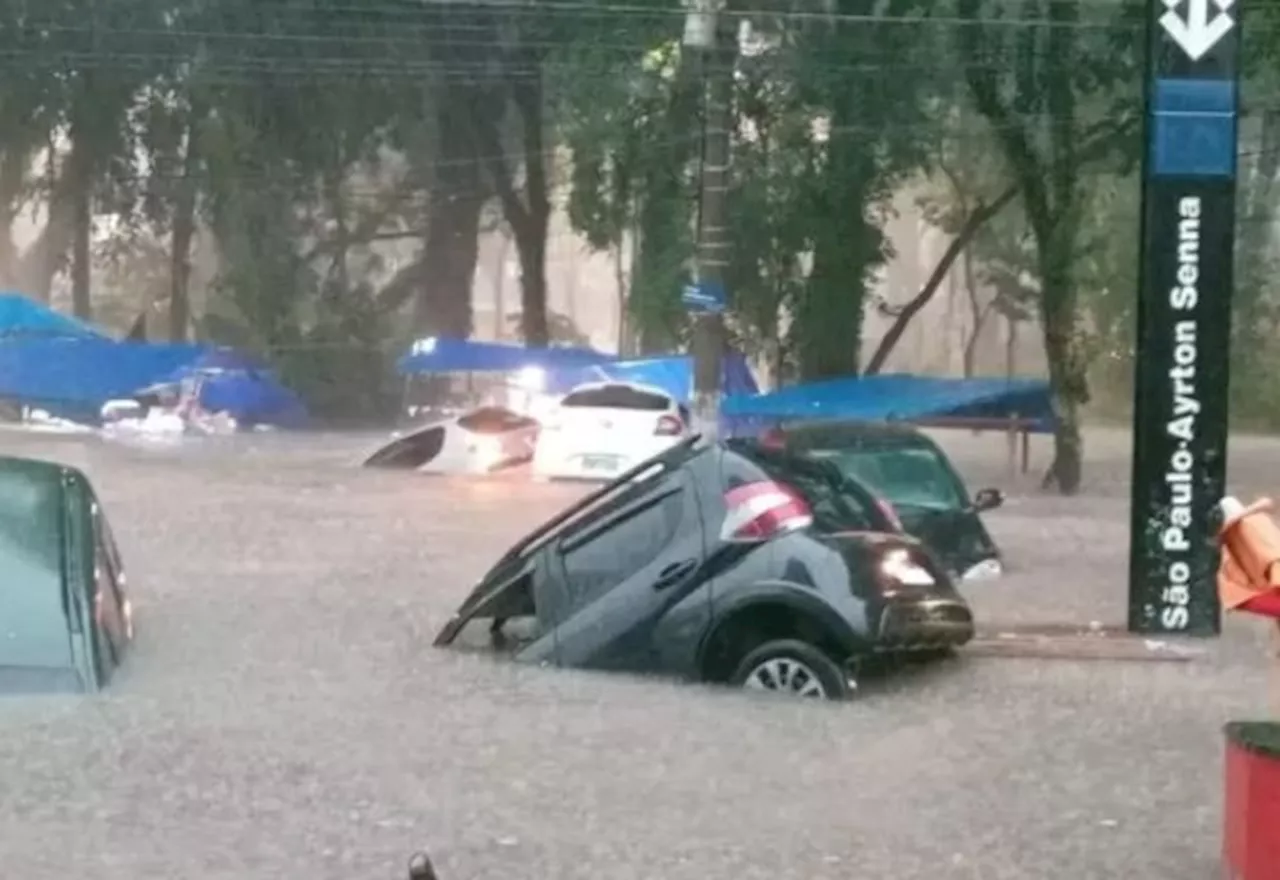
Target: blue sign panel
(1194, 128)
(705, 296)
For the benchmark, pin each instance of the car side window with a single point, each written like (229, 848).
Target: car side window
(109, 611)
(610, 557)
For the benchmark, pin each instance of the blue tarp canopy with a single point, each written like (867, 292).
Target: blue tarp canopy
(24, 317)
(75, 377)
(233, 383)
(901, 397)
(444, 355)
(673, 374)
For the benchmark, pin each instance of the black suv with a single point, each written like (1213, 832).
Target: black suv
(718, 562)
(916, 481)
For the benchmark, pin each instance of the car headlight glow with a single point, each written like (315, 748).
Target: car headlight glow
(487, 452)
(898, 567)
(531, 379)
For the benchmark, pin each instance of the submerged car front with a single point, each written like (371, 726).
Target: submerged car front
(914, 477)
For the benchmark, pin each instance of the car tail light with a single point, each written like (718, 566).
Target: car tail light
(669, 426)
(890, 514)
(763, 510)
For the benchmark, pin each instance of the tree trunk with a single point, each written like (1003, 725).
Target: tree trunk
(80, 169)
(82, 256)
(532, 247)
(13, 166)
(1256, 237)
(500, 290)
(620, 280)
(46, 256)
(976, 313)
(1011, 348)
(529, 216)
(184, 227)
(830, 318)
(446, 269)
(531, 236)
(1064, 352)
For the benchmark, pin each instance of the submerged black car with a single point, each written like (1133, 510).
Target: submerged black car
(908, 470)
(721, 563)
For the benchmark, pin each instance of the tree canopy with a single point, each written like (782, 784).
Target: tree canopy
(314, 180)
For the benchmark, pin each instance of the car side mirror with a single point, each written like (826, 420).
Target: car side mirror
(987, 499)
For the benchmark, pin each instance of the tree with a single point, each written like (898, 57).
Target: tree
(855, 68)
(631, 132)
(1034, 88)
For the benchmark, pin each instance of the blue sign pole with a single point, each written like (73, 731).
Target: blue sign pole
(1184, 314)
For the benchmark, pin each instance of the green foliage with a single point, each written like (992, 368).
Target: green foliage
(342, 162)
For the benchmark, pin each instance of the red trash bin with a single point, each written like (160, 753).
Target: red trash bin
(1251, 843)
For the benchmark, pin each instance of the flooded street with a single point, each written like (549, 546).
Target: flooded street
(284, 716)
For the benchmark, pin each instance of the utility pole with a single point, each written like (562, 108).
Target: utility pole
(712, 50)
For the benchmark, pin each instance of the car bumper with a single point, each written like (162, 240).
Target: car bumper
(922, 624)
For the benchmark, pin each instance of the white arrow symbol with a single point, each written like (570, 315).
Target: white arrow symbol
(1195, 33)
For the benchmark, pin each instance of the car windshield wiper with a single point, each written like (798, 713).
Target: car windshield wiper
(921, 507)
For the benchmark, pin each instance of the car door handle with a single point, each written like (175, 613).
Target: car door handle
(674, 574)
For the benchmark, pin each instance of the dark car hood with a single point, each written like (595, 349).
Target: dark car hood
(957, 537)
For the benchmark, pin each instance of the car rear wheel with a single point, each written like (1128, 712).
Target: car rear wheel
(795, 669)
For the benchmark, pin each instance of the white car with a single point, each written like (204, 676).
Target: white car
(601, 429)
(477, 442)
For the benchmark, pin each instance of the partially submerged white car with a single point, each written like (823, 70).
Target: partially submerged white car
(601, 429)
(476, 442)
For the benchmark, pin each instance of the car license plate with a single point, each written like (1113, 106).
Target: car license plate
(599, 462)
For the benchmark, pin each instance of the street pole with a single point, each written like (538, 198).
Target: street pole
(1184, 314)
(706, 44)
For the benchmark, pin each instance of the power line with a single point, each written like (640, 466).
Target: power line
(544, 9)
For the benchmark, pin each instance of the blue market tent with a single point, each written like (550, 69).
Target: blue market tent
(74, 377)
(21, 317)
(236, 384)
(901, 397)
(444, 355)
(672, 374)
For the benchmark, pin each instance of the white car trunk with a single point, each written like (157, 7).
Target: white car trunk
(629, 424)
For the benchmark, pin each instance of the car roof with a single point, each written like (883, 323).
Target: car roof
(37, 467)
(671, 459)
(867, 434)
(753, 449)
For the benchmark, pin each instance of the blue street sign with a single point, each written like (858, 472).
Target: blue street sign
(703, 297)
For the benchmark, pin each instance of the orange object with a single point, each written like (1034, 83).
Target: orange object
(1250, 542)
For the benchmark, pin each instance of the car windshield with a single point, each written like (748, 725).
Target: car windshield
(836, 507)
(493, 420)
(909, 476)
(618, 397)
